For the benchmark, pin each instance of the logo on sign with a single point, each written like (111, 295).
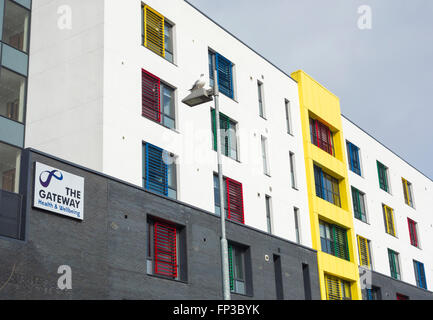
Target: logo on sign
(51, 174)
(58, 191)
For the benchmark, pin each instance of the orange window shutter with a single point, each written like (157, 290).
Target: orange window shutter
(154, 31)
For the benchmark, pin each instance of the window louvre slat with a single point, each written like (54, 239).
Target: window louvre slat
(151, 102)
(154, 31)
(235, 200)
(165, 249)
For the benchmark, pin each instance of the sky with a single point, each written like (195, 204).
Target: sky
(383, 75)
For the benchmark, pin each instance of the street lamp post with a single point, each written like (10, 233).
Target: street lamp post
(197, 97)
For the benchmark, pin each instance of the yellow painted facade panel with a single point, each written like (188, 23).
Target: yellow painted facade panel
(318, 103)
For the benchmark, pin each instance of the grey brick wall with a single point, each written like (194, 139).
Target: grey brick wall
(107, 252)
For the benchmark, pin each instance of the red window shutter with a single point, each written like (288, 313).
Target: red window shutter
(151, 102)
(235, 201)
(165, 250)
(412, 232)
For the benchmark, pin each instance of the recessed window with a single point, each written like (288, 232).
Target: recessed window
(326, 186)
(382, 171)
(358, 199)
(322, 136)
(16, 26)
(297, 225)
(413, 232)
(333, 240)
(158, 100)
(157, 33)
(374, 293)
(394, 264)
(353, 156)
(292, 170)
(228, 134)
(400, 296)
(12, 95)
(337, 289)
(166, 250)
(224, 68)
(10, 162)
(238, 269)
(264, 146)
(420, 274)
(364, 252)
(159, 171)
(268, 213)
(260, 98)
(233, 199)
(408, 193)
(288, 116)
(388, 216)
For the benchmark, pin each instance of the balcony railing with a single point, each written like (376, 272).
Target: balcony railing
(10, 214)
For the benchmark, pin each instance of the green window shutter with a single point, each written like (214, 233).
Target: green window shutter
(356, 203)
(392, 264)
(232, 284)
(213, 129)
(340, 243)
(225, 127)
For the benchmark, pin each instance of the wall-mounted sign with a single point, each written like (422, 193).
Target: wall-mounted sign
(58, 191)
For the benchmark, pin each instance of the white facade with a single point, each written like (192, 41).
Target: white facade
(374, 230)
(84, 105)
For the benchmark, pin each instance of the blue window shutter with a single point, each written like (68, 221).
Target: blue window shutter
(225, 80)
(369, 294)
(351, 156)
(156, 170)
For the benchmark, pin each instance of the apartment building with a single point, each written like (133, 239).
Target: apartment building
(115, 107)
(316, 208)
(14, 50)
(392, 213)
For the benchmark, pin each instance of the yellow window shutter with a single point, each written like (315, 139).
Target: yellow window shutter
(333, 288)
(364, 256)
(154, 31)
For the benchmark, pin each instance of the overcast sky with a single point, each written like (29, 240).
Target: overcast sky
(383, 76)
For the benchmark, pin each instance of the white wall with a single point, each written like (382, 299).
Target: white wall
(125, 129)
(64, 108)
(374, 230)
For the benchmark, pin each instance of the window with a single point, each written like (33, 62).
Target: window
(321, 136)
(10, 162)
(12, 95)
(413, 234)
(292, 170)
(374, 293)
(237, 269)
(233, 199)
(400, 296)
(228, 133)
(388, 215)
(261, 102)
(353, 155)
(288, 116)
(165, 250)
(364, 252)
(264, 142)
(407, 191)
(297, 225)
(159, 171)
(326, 186)
(168, 41)
(359, 204)
(154, 95)
(333, 240)
(16, 26)
(337, 289)
(383, 176)
(157, 33)
(420, 274)
(268, 214)
(394, 264)
(224, 74)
